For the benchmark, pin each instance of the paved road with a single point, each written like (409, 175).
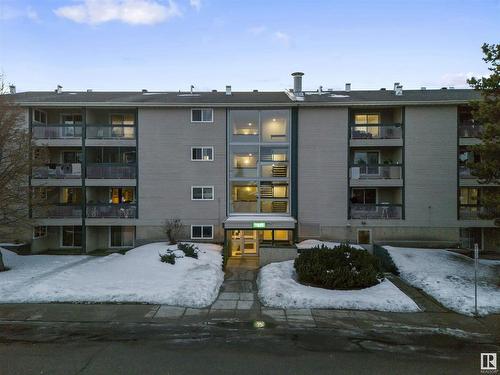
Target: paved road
(225, 348)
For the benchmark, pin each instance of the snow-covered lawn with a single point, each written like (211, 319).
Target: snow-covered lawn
(278, 287)
(137, 276)
(309, 244)
(449, 278)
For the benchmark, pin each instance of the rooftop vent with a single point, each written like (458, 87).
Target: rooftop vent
(191, 88)
(228, 90)
(214, 90)
(297, 82)
(12, 89)
(398, 91)
(396, 84)
(423, 88)
(382, 89)
(89, 90)
(58, 89)
(347, 87)
(320, 89)
(444, 88)
(144, 91)
(255, 90)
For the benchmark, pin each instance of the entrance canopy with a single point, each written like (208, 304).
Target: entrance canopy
(260, 222)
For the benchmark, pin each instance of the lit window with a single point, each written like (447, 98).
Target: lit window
(202, 153)
(39, 232)
(202, 193)
(202, 115)
(202, 232)
(370, 119)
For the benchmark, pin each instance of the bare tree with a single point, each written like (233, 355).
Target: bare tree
(173, 229)
(15, 164)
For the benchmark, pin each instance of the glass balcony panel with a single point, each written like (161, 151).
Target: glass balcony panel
(245, 126)
(375, 211)
(57, 211)
(56, 132)
(110, 132)
(377, 171)
(274, 170)
(244, 161)
(377, 132)
(244, 197)
(118, 171)
(124, 211)
(57, 171)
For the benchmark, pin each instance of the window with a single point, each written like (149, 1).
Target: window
(364, 236)
(40, 116)
(121, 236)
(72, 196)
(71, 236)
(121, 195)
(469, 196)
(72, 157)
(367, 162)
(202, 193)
(202, 232)
(202, 115)
(367, 119)
(72, 119)
(122, 119)
(39, 232)
(202, 153)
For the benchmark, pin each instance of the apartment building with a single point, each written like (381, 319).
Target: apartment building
(256, 169)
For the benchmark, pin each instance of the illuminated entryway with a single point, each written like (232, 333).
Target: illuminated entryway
(247, 242)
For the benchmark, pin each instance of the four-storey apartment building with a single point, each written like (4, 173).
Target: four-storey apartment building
(255, 169)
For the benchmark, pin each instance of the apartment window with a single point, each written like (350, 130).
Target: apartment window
(364, 119)
(122, 195)
(72, 196)
(121, 236)
(202, 115)
(39, 232)
(71, 119)
(364, 196)
(122, 119)
(71, 236)
(202, 232)
(469, 196)
(72, 157)
(40, 116)
(202, 193)
(202, 153)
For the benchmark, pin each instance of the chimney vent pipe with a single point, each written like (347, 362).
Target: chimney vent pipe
(347, 87)
(228, 90)
(12, 89)
(297, 82)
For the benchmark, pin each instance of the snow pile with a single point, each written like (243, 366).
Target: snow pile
(449, 278)
(137, 276)
(309, 244)
(278, 288)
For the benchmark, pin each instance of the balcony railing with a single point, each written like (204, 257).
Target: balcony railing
(118, 171)
(476, 212)
(110, 132)
(375, 171)
(389, 131)
(56, 131)
(122, 211)
(465, 172)
(57, 171)
(376, 211)
(470, 130)
(58, 211)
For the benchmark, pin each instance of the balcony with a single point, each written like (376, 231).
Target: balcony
(57, 211)
(389, 131)
(376, 175)
(469, 129)
(58, 171)
(121, 211)
(376, 211)
(111, 135)
(57, 135)
(111, 171)
(474, 212)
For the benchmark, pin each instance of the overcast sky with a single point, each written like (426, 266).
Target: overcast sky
(256, 44)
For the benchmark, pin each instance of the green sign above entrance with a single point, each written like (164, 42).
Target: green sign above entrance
(258, 225)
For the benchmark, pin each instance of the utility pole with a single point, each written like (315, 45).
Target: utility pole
(476, 263)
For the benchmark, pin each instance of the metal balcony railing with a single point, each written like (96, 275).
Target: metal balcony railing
(110, 132)
(469, 129)
(381, 131)
(386, 211)
(376, 171)
(57, 211)
(118, 171)
(57, 171)
(122, 211)
(56, 131)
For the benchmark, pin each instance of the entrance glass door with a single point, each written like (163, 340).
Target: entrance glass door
(244, 243)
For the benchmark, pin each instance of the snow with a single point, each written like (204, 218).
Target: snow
(309, 244)
(137, 276)
(449, 278)
(278, 288)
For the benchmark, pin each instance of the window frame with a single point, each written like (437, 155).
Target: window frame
(203, 147)
(368, 114)
(62, 237)
(36, 237)
(202, 121)
(202, 193)
(121, 239)
(202, 226)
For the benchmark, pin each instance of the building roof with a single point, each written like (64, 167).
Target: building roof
(313, 98)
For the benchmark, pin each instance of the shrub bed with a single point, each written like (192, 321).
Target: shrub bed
(342, 267)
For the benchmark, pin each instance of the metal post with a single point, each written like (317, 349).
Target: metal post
(476, 261)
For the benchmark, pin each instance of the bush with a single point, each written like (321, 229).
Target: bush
(342, 267)
(168, 257)
(385, 258)
(173, 229)
(189, 250)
